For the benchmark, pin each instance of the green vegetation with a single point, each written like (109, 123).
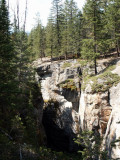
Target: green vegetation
(91, 144)
(82, 62)
(68, 84)
(66, 64)
(48, 154)
(70, 33)
(102, 82)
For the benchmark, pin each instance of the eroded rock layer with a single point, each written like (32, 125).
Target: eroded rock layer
(69, 107)
(61, 93)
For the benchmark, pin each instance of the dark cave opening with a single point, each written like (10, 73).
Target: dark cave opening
(57, 139)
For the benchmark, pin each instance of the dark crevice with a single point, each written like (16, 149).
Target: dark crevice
(73, 97)
(108, 97)
(58, 138)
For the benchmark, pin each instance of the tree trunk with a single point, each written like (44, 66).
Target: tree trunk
(95, 64)
(20, 153)
(95, 47)
(51, 53)
(117, 49)
(65, 55)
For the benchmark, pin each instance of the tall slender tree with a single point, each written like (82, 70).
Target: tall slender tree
(50, 41)
(39, 41)
(114, 22)
(56, 13)
(8, 86)
(92, 23)
(70, 12)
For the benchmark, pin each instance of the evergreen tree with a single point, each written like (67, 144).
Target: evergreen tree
(92, 25)
(30, 46)
(39, 41)
(8, 84)
(105, 42)
(69, 28)
(50, 41)
(7, 58)
(114, 22)
(56, 13)
(79, 33)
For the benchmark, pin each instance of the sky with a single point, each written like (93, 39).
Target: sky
(34, 7)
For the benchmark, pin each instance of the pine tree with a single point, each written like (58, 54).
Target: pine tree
(30, 45)
(50, 41)
(8, 84)
(105, 42)
(7, 57)
(79, 33)
(39, 41)
(114, 22)
(92, 21)
(56, 13)
(69, 28)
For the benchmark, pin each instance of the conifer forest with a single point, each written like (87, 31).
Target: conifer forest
(89, 35)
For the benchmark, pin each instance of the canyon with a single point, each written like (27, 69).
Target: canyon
(74, 100)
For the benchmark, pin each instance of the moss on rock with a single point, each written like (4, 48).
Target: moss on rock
(68, 84)
(102, 82)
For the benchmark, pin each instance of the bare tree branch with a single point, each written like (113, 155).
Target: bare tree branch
(6, 134)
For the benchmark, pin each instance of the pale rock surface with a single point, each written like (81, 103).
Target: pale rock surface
(113, 127)
(98, 111)
(94, 111)
(51, 75)
(101, 112)
(117, 69)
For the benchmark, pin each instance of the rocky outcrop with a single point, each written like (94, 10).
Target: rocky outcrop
(69, 107)
(94, 111)
(113, 127)
(59, 102)
(100, 111)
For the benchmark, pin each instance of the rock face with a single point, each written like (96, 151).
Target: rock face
(69, 109)
(113, 127)
(101, 112)
(60, 104)
(94, 111)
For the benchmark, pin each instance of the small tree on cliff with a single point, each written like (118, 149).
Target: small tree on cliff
(91, 143)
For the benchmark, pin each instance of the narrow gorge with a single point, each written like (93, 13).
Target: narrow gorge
(75, 100)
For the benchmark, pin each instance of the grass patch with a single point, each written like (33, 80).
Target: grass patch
(66, 64)
(68, 84)
(102, 82)
(82, 62)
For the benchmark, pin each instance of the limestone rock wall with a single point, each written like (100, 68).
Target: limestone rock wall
(113, 127)
(101, 112)
(69, 111)
(63, 103)
(94, 111)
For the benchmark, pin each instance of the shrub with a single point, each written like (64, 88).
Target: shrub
(91, 144)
